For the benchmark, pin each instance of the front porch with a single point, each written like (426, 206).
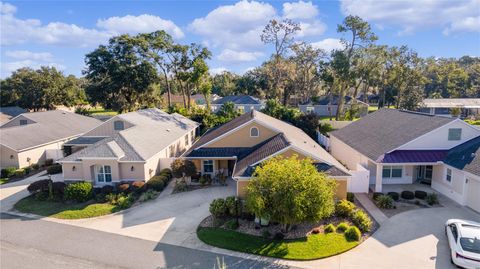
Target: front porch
(214, 167)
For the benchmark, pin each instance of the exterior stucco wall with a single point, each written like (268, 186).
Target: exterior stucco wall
(454, 189)
(88, 164)
(126, 172)
(16, 122)
(37, 155)
(438, 139)
(70, 174)
(346, 155)
(341, 191)
(5, 160)
(241, 137)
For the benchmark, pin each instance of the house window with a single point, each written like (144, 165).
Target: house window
(254, 132)
(172, 150)
(310, 109)
(448, 178)
(186, 140)
(392, 171)
(208, 166)
(241, 109)
(192, 135)
(104, 173)
(23, 122)
(118, 125)
(454, 134)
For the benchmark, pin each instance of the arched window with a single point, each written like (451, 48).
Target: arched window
(254, 132)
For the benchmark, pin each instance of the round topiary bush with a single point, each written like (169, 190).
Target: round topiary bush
(350, 197)
(39, 186)
(54, 169)
(166, 172)
(407, 195)
(8, 172)
(156, 183)
(376, 195)
(353, 234)
(218, 208)
(395, 196)
(342, 227)
(79, 192)
(362, 220)
(420, 195)
(344, 208)
(330, 228)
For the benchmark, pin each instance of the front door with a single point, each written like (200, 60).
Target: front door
(231, 165)
(424, 174)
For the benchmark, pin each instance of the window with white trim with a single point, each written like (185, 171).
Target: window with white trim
(392, 171)
(192, 135)
(310, 109)
(454, 134)
(254, 132)
(448, 177)
(104, 174)
(208, 166)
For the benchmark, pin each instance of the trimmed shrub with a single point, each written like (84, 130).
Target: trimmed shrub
(35, 166)
(107, 189)
(420, 195)
(156, 183)
(100, 198)
(27, 170)
(79, 192)
(376, 195)
(48, 162)
(8, 172)
(385, 201)
(407, 195)
(138, 187)
(180, 186)
(20, 173)
(166, 172)
(315, 231)
(353, 234)
(54, 169)
(218, 208)
(124, 187)
(266, 233)
(39, 186)
(125, 201)
(342, 227)
(231, 204)
(111, 198)
(395, 196)
(330, 228)
(278, 236)
(148, 195)
(58, 189)
(350, 197)
(344, 208)
(432, 198)
(231, 224)
(362, 220)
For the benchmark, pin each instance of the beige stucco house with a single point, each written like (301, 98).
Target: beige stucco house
(237, 147)
(31, 138)
(128, 147)
(404, 147)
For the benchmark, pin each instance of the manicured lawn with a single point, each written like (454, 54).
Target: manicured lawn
(64, 211)
(3, 180)
(312, 247)
(473, 122)
(102, 111)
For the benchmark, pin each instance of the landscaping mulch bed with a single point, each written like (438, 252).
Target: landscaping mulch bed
(403, 205)
(193, 187)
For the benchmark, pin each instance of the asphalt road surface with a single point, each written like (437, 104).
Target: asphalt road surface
(27, 243)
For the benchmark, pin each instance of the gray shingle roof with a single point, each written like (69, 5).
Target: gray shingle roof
(49, 126)
(238, 99)
(466, 156)
(8, 112)
(330, 170)
(84, 140)
(217, 152)
(387, 129)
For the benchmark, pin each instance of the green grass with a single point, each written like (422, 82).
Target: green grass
(64, 211)
(3, 180)
(102, 111)
(473, 122)
(314, 246)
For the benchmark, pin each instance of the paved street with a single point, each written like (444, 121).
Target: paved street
(27, 243)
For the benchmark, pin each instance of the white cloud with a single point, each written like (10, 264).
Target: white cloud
(217, 70)
(139, 24)
(9, 67)
(28, 55)
(314, 28)
(228, 55)
(235, 26)
(328, 44)
(413, 15)
(6, 8)
(300, 10)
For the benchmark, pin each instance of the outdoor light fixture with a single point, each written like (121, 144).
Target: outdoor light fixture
(132, 168)
(11, 157)
(73, 168)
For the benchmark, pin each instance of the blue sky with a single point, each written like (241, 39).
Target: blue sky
(60, 33)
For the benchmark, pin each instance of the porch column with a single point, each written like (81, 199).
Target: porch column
(378, 178)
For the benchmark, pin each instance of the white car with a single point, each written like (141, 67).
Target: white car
(464, 241)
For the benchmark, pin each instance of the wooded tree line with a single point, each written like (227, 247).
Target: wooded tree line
(132, 72)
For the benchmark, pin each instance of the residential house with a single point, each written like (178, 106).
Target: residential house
(404, 147)
(237, 147)
(328, 105)
(129, 147)
(9, 112)
(31, 138)
(444, 106)
(243, 103)
(196, 99)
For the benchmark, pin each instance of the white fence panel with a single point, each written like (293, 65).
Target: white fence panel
(166, 162)
(323, 140)
(53, 154)
(359, 182)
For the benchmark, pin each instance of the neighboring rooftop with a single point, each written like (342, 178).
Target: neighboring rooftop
(384, 130)
(152, 131)
(452, 102)
(8, 112)
(466, 156)
(84, 141)
(47, 127)
(326, 100)
(238, 99)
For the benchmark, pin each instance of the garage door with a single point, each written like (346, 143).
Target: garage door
(473, 199)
